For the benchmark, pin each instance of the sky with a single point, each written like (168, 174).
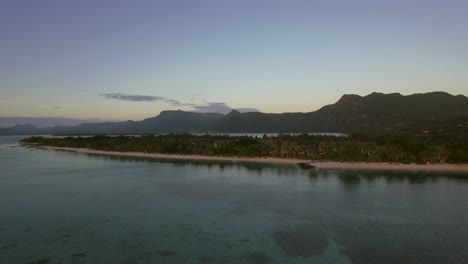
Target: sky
(119, 60)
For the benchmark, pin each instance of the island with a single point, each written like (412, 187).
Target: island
(443, 149)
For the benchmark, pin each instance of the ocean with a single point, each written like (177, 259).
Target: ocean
(65, 207)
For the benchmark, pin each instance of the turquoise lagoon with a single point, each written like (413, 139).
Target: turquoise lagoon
(64, 207)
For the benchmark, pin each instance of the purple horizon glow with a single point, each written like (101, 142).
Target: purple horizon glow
(82, 59)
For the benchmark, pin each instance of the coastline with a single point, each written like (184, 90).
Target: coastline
(326, 165)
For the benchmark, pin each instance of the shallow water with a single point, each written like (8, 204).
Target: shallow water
(64, 207)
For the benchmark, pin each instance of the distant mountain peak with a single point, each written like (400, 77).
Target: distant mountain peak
(374, 94)
(167, 113)
(347, 96)
(351, 113)
(349, 99)
(164, 112)
(25, 126)
(233, 112)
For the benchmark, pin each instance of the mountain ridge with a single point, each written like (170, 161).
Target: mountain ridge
(350, 113)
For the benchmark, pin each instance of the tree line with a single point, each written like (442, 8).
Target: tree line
(440, 145)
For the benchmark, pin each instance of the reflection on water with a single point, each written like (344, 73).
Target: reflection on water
(347, 176)
(65, 207)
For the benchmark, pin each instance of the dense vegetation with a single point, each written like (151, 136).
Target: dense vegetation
(405, 146)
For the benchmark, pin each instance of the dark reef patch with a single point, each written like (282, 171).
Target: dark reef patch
(128, 261)
(303, 240)
(257, 258)
(8, 246)
(41, 261)
(79, 255)
(145, 256)
(207, 259)
(65, 238)
(228, 245)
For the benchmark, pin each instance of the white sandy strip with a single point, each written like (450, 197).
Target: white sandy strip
(179, 157)
(319, 165)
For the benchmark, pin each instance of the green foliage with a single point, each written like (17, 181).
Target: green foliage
(449, 144)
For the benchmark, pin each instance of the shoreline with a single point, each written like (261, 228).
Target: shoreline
(326, 165)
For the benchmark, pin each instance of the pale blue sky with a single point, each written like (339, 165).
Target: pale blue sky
(85, 59)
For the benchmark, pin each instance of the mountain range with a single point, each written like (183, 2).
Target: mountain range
(350, 113)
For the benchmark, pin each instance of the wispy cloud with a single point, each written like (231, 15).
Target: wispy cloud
(177, 102)
(57, 107)
(143, 98)
(207, 107)
(132, 97)
(215, 107)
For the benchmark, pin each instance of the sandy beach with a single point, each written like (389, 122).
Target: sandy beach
(271, 160)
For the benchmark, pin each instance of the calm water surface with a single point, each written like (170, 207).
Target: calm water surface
(63, 207)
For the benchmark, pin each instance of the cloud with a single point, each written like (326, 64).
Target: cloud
(57, 107)
(174, 102)
(206, 107)
(132, 97)
(213, 108)
(219, 107)
(143, 98)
